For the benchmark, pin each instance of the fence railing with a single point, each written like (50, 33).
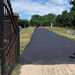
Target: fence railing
(9, 36)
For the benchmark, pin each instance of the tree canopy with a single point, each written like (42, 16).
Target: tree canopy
(42, 20)
(67, 19)
(23, 23)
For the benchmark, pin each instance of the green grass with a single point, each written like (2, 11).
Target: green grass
(16, 71)
(65, 32)
(25, 37)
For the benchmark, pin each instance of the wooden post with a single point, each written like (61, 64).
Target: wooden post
(1, 36)
(9, 46)
(51, 25)
(18, 38)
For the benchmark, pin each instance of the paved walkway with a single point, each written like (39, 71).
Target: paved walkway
(48, 54)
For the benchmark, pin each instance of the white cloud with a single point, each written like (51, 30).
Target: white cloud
(30, 7)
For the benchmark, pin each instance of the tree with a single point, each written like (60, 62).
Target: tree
(58, 21)
(73, 12)
(73, 8)
(65, 19)
(23, 23)
(45, 20)
(35, 20)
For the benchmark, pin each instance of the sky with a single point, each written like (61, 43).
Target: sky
(27, 8)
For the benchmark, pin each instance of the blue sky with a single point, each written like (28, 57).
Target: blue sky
(27, 8)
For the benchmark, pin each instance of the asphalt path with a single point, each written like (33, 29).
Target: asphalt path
(48, 48)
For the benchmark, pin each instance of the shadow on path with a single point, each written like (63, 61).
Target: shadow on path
(48, 48)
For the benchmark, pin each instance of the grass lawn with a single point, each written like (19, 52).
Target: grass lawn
(25, 37)
(66, 32)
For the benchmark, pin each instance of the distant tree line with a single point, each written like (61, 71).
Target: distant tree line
(23, 23)
(45, 20)
(38, 20)
(66, 19)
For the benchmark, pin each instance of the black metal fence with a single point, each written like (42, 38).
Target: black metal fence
(9, 38)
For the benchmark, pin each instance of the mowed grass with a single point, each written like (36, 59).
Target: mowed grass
(65, 32)
(25, 37)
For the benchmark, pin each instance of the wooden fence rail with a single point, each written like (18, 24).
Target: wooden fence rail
(9, 38)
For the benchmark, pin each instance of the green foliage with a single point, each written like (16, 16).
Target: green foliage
(73, 12)
(67, 19)
(23, 23)
(64, 20)
(45, 20)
